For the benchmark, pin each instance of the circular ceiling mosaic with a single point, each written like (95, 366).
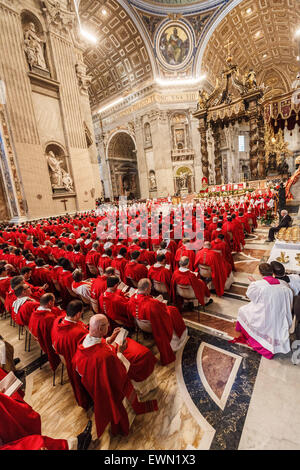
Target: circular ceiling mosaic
(174, 45)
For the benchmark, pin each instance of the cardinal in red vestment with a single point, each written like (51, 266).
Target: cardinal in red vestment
(165, 322)
(40, 326)
(135, 271)
(183, 276)
(105, 377)
(158, 272)
(220, 268)
(66, 333)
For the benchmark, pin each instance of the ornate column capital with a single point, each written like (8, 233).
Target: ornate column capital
(59, 19)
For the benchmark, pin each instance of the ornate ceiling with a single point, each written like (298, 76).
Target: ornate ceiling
(260, 34)
(120, 61)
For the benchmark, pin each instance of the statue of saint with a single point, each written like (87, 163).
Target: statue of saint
(152, 180)
(250, 81)
(59, 177)
(34, 48)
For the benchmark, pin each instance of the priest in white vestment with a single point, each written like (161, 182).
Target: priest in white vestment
(264, 323)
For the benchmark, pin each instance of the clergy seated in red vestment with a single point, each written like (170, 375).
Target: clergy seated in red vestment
(219, 267)
(36, 291)
(20, 427)
(24, 305)
(160, 276)
(10, 294)
(99, 285)
(264, 323)
(92, 258)
(184, 277)
(164, 250)
(134, 271)
(106, 379)
(119, 263)
(114, 304)
(65, 280)
(105, 261)
(81, 288)
(220, 244)
(232, 230)
(185, 251)
(42, 274)
(4, 286)
(66, 333)
(40, 326)
(79, 260)
(164, 322)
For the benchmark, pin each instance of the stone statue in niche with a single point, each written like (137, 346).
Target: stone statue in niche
(84, 80)
(60, 178)
(152, 181)
(148, 137)
(34, 47)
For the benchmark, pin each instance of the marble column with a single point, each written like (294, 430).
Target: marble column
(261, 165)
(195, 145)
(204, 151)
(140, 155)
(161, 140)
(218, 157)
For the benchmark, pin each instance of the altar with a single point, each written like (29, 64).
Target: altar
(290, 250)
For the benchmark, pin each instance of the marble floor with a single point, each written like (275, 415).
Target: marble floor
(217, 395)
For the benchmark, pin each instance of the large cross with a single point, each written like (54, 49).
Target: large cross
(64, 201)
(228, 45)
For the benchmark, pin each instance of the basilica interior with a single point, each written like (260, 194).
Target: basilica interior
(159, 100)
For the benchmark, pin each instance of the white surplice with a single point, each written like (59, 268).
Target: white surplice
(267, 318)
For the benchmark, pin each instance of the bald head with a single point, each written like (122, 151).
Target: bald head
(184, 261)
(98, 326)
(110, 271)
(206, 245)
(144, 286)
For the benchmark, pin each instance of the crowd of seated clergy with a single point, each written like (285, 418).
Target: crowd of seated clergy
(53, 269)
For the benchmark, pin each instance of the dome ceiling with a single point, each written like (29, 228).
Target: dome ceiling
(260, 35)
(120, 61)
(127, 56)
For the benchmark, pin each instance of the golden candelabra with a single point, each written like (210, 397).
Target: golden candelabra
(290, 234)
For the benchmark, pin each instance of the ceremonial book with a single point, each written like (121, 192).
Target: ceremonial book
(121, 336)
(132, 291)
(10, 384)
(123, 287)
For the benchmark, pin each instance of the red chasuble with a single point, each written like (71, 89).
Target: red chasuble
(21, 315)
(37, 442)
(161, 274)
(40, 325)
(65, 338)
(135, 271)
(105, 378)
(188, 278)
(119, 265)
(17, 418)
(145, 307)
(220, 268)
(115, 307)
(142, 360)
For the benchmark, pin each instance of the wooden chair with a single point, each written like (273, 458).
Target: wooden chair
(4, 313)
(63, 364)
(188, 295)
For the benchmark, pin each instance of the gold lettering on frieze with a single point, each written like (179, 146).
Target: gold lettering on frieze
(154, 98)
